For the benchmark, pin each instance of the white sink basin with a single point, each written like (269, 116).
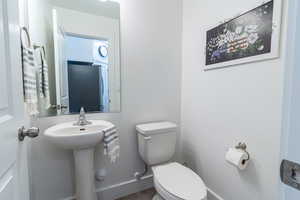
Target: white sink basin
(68, 136)
(82, 140)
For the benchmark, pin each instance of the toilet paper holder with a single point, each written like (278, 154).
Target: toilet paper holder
(243, 147)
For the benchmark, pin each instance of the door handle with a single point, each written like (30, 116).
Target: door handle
(294, 175)
(31, 132)
(147, 138)
(290, 173)
(59, 107)
(63, 107)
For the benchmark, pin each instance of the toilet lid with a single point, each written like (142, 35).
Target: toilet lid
(180, 181)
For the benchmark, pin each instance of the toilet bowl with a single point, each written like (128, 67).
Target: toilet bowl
(172, 181)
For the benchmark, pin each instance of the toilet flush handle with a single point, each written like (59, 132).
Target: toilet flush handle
(147, 138)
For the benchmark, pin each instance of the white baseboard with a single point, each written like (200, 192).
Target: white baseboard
(122, 189)
(69, 198)
(213, 196)
(132, 186)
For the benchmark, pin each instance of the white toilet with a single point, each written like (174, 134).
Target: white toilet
(172, 181)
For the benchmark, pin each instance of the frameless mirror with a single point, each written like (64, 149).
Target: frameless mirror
(77, 43)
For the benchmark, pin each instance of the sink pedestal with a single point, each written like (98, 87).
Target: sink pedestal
(82, 140)
(84, 172)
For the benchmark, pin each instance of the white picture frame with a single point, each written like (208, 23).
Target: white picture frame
(275, 41)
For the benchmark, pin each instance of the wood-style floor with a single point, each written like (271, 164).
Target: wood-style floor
(144, 195)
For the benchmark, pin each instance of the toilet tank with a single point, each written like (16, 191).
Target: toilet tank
(157, 142)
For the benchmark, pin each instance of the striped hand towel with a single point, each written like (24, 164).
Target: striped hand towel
(111, 144)
(29, 80)
(43, 78)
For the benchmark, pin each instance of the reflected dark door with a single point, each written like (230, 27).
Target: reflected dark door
(84, 87)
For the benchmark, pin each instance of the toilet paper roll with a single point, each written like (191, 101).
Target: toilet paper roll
(237, 158)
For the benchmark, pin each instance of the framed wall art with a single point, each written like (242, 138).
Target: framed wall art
(252, 36)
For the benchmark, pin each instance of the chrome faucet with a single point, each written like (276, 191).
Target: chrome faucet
(82, 121)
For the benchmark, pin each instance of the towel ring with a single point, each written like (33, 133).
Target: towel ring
(41, 50)
(25, 30)
(44, 52)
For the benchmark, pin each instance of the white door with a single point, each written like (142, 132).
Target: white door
(61, 66)
(63, 71)
(13, 166)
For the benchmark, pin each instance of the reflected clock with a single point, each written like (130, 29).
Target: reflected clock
(103, 51)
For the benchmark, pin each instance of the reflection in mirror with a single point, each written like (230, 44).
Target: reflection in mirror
(90, 69)
(78, 46)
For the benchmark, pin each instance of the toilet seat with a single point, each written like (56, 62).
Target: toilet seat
(163, 194)
(173, 181)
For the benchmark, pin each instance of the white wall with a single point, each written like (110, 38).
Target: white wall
(223, 107)
(86, 46)
(109, 9)
(88, 49)
(40, 29)
(151, 73)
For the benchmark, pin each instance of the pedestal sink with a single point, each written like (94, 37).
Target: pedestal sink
(82, 140)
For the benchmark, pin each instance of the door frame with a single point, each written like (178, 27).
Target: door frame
(290, 63)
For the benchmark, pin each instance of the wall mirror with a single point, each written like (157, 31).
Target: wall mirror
(77, 43)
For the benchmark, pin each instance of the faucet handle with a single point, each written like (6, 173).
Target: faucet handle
(82, 121)
(82, 111)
